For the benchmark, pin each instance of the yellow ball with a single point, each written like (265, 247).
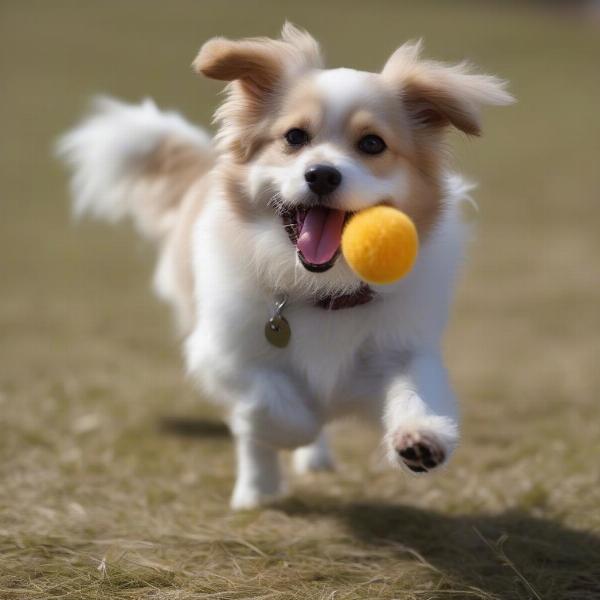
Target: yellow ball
(380, 244)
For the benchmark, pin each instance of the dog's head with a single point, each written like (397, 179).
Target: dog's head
(303, 147)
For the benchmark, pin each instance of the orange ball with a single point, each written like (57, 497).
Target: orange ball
(380, 244)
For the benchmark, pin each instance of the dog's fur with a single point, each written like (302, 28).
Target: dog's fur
(214, 209)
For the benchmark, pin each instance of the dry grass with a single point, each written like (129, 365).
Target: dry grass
(115, 478)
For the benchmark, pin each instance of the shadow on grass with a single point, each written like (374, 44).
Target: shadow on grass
(188, 427)
(509, 555)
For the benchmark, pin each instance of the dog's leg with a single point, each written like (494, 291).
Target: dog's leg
(420, 416)
(272, 413)
(258, 476)
(315, 457)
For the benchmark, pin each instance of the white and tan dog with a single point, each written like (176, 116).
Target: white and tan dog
(248, 227)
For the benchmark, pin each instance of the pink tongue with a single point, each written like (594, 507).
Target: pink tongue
(321, 234)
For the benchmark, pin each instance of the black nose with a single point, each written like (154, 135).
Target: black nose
(322, 179)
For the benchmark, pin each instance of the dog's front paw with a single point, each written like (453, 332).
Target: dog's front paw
(423, 447)
(420, 452)
(247, 496)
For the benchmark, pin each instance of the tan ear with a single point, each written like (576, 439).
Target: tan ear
(258, 63)
(436, 95)
(255, 62)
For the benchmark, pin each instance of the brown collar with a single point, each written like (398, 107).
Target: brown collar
(363, 295)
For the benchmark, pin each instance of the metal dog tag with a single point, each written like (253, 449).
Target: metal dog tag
(277, 331)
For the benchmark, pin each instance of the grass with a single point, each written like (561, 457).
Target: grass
(115, 476)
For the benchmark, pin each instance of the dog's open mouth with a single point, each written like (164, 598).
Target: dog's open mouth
(317, 234)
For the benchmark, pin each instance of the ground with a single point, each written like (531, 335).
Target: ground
(115, 476)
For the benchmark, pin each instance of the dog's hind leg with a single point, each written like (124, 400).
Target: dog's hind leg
(314, 457)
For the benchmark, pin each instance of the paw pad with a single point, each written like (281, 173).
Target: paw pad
(420, 453)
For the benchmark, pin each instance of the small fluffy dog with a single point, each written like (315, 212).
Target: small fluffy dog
(248, 225)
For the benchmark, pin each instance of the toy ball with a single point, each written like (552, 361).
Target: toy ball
(380, 244)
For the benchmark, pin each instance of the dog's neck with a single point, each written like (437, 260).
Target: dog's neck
(363, 295)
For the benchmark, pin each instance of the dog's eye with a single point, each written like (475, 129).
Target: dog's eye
(371, 144)
(297, 137)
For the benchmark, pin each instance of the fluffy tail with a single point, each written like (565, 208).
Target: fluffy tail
(134, 161)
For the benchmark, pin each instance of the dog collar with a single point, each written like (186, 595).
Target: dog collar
(277, 329)
(363, 295)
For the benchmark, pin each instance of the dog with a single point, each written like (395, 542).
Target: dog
(276, 326)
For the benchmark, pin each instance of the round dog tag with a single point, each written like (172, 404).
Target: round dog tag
(277, 331)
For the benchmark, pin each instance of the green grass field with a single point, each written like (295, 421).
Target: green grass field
(115, 476)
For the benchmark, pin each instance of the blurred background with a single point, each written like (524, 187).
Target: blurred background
(115, 476)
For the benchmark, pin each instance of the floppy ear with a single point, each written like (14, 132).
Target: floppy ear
(259, 64)
(436, 95)
(256, 69)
